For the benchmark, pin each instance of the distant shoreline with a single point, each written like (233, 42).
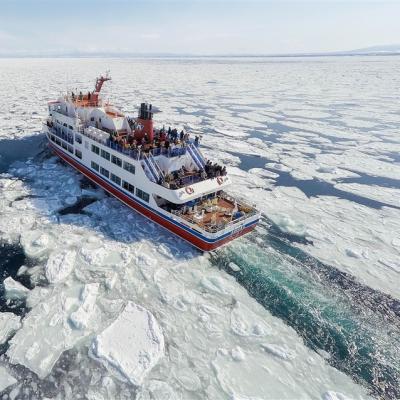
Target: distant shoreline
(191, 56)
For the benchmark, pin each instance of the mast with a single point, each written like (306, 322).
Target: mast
(99, 84)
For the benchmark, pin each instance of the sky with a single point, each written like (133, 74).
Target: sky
(41, 27)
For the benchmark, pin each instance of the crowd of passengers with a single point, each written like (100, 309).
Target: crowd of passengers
(163, 139)
(169, 139)
(183, 176)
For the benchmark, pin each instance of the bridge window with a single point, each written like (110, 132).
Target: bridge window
(104, 172)
(116, 161)
(95, 166)
(116, 179)
(78, 153)
(127, 186)
(129, 167)
(71, 149)
(78, 138)
(105, 154)
(142, 195)
(64, 145)
(95, 149)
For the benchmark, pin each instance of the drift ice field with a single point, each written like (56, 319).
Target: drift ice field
(97, 302)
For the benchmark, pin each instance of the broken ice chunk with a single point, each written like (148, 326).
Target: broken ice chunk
(14, 290)
(82, 315)
(46, 332)
(6, 379)
(60, 265)
(131, 346)
(9, 323)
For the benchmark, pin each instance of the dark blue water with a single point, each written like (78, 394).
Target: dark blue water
(12, 258)
(315, 187)
(358, 327)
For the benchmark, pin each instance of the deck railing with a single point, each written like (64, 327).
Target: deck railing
(135, 153)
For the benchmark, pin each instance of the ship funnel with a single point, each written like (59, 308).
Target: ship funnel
(144, 126)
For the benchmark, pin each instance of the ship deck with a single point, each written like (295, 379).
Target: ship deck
(214, 215)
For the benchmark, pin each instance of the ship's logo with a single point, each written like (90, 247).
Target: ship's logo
(139, 127)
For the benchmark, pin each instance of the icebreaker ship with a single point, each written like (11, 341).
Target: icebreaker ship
(159, 173)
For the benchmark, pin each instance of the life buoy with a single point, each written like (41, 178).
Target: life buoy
(189, 190)
(220, 180)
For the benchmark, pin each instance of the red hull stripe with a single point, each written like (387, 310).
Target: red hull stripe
(193, 239)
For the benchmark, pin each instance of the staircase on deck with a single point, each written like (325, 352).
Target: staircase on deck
(153, 168)
(196, 156)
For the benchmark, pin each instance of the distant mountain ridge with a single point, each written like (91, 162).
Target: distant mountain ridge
(393, 49)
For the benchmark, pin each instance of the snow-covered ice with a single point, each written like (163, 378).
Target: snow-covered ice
(9, 323)
(131, 346)
(14, 289)
(60, 265)
(6, 379)
(340, 123)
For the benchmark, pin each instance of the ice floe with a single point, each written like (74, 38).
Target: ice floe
(14, 289)
(205, 316)
(131, 345)
(6, 379)
(60, 265)
(9, 323)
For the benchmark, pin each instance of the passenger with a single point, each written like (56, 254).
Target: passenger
(196, 141)
(181, 135)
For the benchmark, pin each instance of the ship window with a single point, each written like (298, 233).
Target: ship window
(142, 195)
(104, 172)
(116, 161)
(78, 153)
(127, 186)
(92, 119)
(52, 138)
(95, 149)
(129, 167)
(71, 149)
(78, 138)
(64, 145)
(95, 166)
(105, 154)
(116, 179)
(58, 141)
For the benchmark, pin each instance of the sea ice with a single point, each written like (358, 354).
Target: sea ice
(46, 331)
(80, 318)
(131, 345)
(9, 323)
(6, 379)
(14, 289)
(60, 265)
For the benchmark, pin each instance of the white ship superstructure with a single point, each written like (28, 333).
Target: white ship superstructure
(160, 173)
